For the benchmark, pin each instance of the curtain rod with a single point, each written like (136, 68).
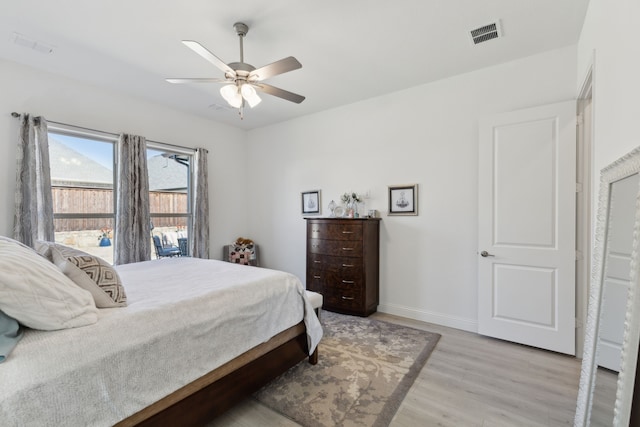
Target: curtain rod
(14, 114)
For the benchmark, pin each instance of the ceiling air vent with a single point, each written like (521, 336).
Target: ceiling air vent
(486, 32)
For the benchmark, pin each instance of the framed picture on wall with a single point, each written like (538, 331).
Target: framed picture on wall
(311, 202)
(403, 199)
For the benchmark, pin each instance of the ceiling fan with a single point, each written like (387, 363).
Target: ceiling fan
(242, 79)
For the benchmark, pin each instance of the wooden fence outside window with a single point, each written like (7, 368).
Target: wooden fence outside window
(73, 200)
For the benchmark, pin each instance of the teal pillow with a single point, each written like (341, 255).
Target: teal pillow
(10, 334)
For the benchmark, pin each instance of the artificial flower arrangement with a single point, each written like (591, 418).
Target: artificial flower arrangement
(105, 233)
(350, 198)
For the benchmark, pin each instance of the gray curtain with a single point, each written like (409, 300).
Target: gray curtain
(33, 218)
(133, 229)
(200, 239)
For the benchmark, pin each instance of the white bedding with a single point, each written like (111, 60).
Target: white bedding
(185, 317)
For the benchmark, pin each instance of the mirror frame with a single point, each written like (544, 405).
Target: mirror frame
(625, 166)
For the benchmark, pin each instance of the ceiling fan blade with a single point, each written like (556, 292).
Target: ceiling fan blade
(206, 54)
(280, 93)
(279, 67)
(197, 80)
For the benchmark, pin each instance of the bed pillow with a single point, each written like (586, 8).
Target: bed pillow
(10, 334)
(37, 294)
(91, 273)
(242, 254)
(44, 249)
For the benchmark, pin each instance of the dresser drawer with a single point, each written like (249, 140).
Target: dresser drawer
(346, 266)
(335, 231)
(337, 280)
(328, 282)
(335, 247)
(314, 283)
(346, 299)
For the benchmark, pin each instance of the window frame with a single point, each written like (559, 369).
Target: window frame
(173, 149)
(79, 132)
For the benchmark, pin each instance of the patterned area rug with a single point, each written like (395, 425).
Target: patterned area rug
(365, 370)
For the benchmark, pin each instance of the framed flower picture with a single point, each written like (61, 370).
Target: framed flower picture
(311, 202)
(403, 199)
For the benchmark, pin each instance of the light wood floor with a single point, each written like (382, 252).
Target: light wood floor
(469, 380)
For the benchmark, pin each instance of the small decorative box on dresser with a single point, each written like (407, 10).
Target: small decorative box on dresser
(343, 263)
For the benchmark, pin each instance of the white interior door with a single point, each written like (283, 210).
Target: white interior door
(617, 271)
(526, 253)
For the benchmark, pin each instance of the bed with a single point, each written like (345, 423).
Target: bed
(194, 337)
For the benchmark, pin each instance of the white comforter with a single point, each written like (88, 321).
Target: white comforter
(185, 317)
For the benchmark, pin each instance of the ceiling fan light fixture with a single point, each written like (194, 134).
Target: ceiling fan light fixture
(250, 95)
(231, 94)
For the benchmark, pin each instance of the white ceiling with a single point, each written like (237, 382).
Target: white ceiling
(350, 49)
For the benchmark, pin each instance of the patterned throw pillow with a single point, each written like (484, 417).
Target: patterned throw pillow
(91, 273)
(242, 254)
(103, 275)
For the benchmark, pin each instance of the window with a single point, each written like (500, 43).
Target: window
(169, 197)
(83, 186)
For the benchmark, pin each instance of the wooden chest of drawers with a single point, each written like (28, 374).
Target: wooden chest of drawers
(343, 263)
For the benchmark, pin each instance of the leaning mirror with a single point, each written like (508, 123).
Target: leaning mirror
(613, 324)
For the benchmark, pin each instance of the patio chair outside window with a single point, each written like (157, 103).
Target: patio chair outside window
(182, 244)
(161, 251)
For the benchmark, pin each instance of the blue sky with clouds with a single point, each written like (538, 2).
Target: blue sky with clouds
(98, 151)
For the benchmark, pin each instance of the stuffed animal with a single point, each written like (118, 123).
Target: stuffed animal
(241, 241)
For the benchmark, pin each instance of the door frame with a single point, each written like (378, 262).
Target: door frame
(584, 201)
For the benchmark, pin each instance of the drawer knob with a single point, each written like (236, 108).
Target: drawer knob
(316, 277)
(347, 232)
(347, 265)
(347, 249)
(347, 298)
(317, 262)
(348, 282)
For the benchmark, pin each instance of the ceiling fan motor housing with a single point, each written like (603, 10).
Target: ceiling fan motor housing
(242, 70)
(241, 28)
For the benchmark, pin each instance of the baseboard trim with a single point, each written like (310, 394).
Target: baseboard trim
(469, 325)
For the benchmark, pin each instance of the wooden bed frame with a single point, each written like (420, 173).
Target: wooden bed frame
(210, 395)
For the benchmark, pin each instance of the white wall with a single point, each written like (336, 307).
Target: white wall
(59, 99)
(609, 38)
(426, 135)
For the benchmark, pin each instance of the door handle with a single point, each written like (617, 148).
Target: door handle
(485, 254)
